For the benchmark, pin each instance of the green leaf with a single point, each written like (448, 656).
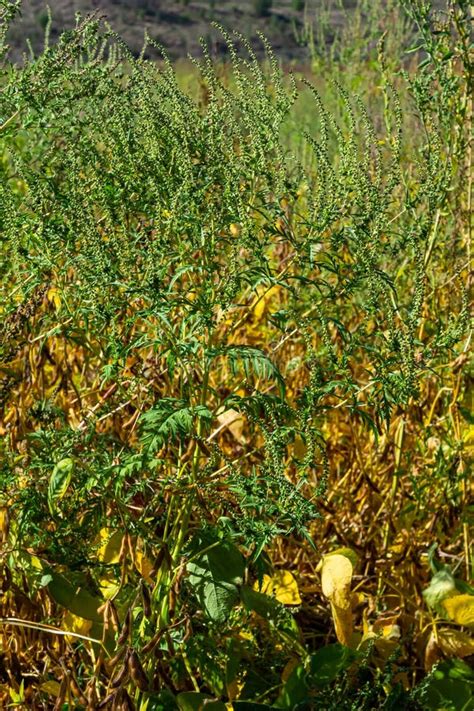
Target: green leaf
(169, 420)
(251, 706)
(328, 662)
(194, 701)
(451, 687)
(215, 573)
(59, 483)
(258, 602)
(162, 701)
(295, 690)
(75, 598)
(442, 586)
(253, 361)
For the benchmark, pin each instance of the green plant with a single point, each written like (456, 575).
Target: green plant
(189, 314)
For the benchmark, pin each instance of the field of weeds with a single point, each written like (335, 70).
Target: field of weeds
(235, 382)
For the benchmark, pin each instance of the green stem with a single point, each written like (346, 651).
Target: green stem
(180, 526)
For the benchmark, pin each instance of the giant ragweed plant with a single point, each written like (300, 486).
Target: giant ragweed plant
(187, 311)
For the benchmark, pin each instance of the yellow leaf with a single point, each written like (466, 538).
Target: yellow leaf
(454, 643)
(109, 586)
(74, 623)
(391, 631)
(50, 687)
(234, 689)
(343, 624)
(300, 448)
(54, 297)
(110, 544)
(4, 525)
(36, 563)
(460, 608)
(264, 296)
(357, 598)
(282, 586)
(143, 565)
(336, 578)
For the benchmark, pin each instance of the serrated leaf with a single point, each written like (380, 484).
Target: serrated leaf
(59, 482)
(252, 360)
(171, 419)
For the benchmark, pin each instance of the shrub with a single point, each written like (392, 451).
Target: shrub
(192, 320)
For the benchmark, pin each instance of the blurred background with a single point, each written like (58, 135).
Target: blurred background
(293, 27)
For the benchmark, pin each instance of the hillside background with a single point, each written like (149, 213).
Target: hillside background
(179, 25)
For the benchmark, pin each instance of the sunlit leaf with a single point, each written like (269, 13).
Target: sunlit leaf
(336, 579)
(109, 586)
(460, 608)
(265, 297)
(282, 586)
(143, 565)
(74, 623)
(234, 422)
(110, 545)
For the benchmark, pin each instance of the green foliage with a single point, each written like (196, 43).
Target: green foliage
(451, 687)
(145, 238)
(59, 482)
(216, 569)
